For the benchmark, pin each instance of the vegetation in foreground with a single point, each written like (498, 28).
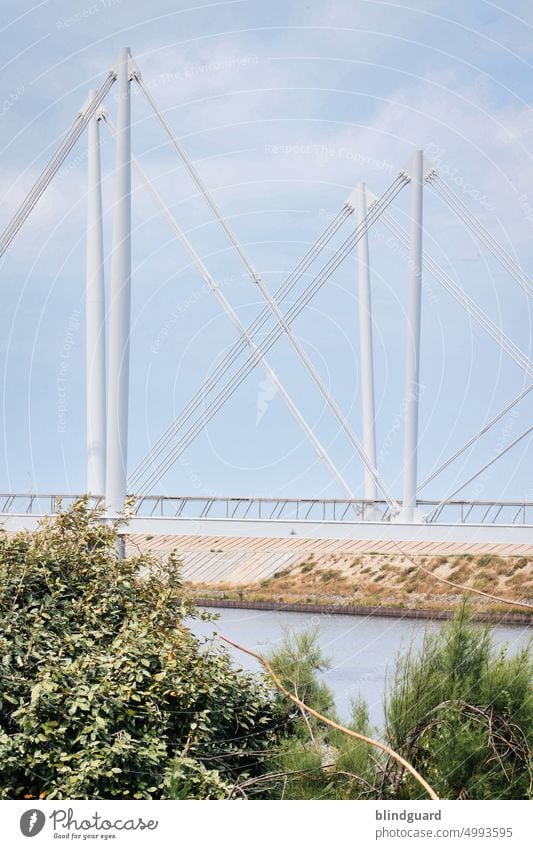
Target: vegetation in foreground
(386, 580)
(105, 693)
(459, 711)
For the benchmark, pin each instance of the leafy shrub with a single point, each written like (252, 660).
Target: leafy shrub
(187, 778)
(103, 690)
(315, 761)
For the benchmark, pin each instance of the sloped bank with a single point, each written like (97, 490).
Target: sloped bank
(386, 585)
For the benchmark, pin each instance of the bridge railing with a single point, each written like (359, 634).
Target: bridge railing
(331, 509)
(290, 509)
(260, 508)
(36, 504)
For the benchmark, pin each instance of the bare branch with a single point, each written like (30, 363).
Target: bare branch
(429, 790)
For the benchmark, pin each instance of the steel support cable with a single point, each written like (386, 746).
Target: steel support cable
(491, 328)
(309, 257)
(267, 343)
(196, 178)
(478, 473)
(476, 436)
(478, 229)
(456, 205)
(451, 287)
(256, 325)
(232, 315)
(256, 278)
(165, 439)
(466, 302)
(43, 181)
(323, 389)
(54, 164)
(237, 348)
(230, 387)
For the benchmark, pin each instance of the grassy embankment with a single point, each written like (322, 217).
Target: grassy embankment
(387, 581)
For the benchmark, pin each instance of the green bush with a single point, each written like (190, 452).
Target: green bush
(297, 662)
(458, 710)
(187, 778)
(315, 761)
(103, 690)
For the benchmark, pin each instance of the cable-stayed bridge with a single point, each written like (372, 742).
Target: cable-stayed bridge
(382, 519)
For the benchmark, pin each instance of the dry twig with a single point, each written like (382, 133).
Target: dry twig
(369, 740)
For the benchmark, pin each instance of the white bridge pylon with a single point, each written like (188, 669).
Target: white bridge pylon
(107, 417)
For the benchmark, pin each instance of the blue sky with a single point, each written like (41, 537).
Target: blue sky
(284, 107)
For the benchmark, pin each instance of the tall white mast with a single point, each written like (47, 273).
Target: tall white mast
(366, 356)
(412, 356)
(95, 317)
(120, 301)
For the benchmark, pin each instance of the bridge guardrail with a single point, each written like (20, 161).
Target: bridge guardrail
(269, 508)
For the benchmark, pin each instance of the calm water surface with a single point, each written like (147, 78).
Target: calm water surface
(362, 650)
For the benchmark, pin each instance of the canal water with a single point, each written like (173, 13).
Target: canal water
(362, 649)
